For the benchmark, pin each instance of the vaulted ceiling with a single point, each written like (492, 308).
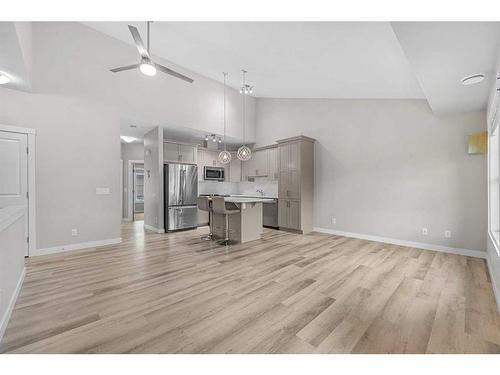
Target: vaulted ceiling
(335, 59)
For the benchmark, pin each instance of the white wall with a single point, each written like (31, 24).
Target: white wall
(153, 179)
(129, 151)
(77, 106)
(388, 167)
(77, 150)
(73, 59)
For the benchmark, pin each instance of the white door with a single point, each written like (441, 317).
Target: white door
(14, 172)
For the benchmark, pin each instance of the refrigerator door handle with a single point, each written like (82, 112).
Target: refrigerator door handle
(183, 185)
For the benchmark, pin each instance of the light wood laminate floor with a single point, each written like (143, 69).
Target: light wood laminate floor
(286, 293)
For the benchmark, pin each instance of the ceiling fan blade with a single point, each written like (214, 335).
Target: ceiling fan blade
(164, 69)
(122, 68)
(138, 42)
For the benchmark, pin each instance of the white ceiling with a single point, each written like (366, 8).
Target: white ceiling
(442, 53)
(286, 59)
(12, 60)
(137, 129)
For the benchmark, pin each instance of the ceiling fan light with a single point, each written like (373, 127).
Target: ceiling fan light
(148, 68)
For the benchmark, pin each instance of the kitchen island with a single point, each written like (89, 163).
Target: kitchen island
(244, 226)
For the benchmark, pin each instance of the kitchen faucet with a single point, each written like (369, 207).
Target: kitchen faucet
(260, 191)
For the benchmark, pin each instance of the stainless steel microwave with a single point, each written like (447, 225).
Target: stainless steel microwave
(213, 174)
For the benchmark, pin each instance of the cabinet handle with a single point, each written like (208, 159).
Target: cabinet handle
(180, 157)
(288, 193)
(256, 171)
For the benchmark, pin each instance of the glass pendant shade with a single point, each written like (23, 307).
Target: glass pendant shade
(224, 157)
(244, 153)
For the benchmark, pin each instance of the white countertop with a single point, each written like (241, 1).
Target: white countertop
(253, 196)
(10, 214)
(234, 199)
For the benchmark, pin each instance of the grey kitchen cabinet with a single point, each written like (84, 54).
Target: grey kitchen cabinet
(289, 214)
(176, 152)
(170, 151)
(187, 153)
(234, 169)
(263, 164)
(296, 183)
(289, 184)
(273, 167)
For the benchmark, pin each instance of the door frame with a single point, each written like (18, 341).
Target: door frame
(31, 141)
(130, 188)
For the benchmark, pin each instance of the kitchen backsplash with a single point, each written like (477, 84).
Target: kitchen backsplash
(270, 188)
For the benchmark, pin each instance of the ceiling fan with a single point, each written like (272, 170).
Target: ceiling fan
(147, 66)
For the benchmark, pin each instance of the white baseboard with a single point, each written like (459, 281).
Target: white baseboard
(153, 229)
(12, 303)
(76, 246)
(496, 291)
(418, 245)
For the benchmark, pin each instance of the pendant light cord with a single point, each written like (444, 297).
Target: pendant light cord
(225, 144)
(244, 85)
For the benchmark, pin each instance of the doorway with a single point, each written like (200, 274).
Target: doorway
(135, 201)
(138, 193)
(17, 175)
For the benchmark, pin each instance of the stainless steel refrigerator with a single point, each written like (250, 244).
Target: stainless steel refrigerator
(181, 194)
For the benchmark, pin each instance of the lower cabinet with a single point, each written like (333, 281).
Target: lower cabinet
(289, 213)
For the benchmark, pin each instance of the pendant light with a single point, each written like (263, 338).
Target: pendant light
(224, 156)
(244, 153)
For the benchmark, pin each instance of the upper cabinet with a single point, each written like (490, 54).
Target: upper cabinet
(263, 164)
(234, 169)
(179, 152)
(273, 163)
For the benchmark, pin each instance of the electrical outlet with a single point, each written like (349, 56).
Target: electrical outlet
(425, 231)
(334, 221)
(447, 233)
(74, 232)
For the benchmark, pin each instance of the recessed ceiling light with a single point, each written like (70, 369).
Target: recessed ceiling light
(473, 79)
(127, 139)
(4, 79)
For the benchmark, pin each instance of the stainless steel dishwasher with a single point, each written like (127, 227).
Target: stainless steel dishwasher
(270, 214)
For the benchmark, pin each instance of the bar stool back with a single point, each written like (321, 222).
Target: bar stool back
(204, 205)
(219, 207)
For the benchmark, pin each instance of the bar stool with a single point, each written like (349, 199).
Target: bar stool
(204, 205)
(219, 207)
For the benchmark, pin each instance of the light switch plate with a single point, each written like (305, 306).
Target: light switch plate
(102, 191)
